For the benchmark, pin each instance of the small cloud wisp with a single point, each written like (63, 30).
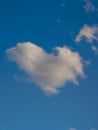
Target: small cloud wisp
(90, 33)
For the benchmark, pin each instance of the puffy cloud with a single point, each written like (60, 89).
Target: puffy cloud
(48, 71)
(89, 6)
(89, 33)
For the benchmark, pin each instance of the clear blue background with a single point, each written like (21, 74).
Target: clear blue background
(24, 106)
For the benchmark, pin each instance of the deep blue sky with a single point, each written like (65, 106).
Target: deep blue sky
(25, 107)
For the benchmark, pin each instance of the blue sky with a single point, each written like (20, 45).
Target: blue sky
(48, 68)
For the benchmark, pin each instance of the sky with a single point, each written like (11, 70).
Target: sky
(49, 65)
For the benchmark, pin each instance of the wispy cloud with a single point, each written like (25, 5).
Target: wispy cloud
(62, 4)
(90, 33)
(58, 20)
(48, 71)
(92, 129)
(72, 128)
(95, 49)
(89, 6)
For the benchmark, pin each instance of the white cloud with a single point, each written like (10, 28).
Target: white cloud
(95, 49)
(48, 71)
(89, 6)
(90, 33)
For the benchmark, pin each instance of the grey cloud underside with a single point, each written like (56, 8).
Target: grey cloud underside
(47, 71)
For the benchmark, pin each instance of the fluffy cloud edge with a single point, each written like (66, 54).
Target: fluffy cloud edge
(49, 72)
